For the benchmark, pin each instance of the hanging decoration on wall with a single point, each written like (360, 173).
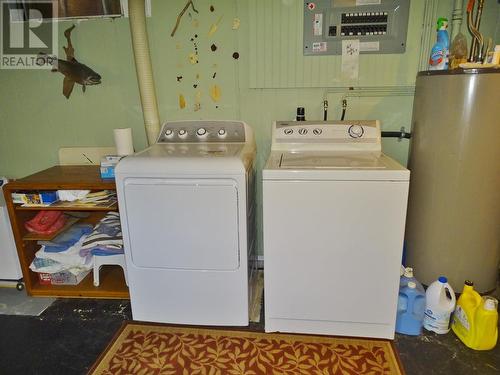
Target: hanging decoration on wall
(215, 93)
(197, 101)
(193, 58)
(73, 71)
(236, 23)
(182, 101)
(214, 27)
(189, 3)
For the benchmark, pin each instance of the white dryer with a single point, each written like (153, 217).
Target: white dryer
(334, 210)
(186, 207)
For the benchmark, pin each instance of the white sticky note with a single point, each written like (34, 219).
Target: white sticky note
(350, 59)
(369, 46)
(368, 2)
(319, 47)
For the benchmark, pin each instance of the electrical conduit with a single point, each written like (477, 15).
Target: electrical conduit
(140, 44)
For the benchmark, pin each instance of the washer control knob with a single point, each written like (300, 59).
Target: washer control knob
(182, 133)
(288, 131)
(317, 131)
(169, 133)
(222, 132)
(302, 131)
(356, 131)
(201, 132)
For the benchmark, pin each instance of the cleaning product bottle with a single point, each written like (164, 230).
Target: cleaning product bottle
(475, 319)
(440, 303)
(440, 50)
(463, 317)
(407, 276)
(487, 324)
(411, 306)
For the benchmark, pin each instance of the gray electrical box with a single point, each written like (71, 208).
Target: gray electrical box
(380, 25)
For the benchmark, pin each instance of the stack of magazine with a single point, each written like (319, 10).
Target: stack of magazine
(103, 198)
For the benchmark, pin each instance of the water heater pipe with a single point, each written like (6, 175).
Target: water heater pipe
(456, 19)
(140, 44)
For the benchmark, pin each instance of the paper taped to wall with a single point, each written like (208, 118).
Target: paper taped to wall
(368, 2)
(350, 59)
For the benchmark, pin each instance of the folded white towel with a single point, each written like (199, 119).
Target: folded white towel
(71, 195)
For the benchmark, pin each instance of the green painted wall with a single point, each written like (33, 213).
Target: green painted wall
(36, 120)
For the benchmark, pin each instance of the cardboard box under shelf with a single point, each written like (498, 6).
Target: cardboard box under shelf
(44, 278)
(67, 278)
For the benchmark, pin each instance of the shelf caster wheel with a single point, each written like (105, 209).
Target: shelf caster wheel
(20, 286)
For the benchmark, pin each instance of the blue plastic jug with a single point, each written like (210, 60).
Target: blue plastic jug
(411, 307)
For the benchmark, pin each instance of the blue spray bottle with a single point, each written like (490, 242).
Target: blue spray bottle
(440, 50)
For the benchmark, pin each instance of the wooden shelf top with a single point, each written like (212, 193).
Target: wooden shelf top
(113, 207)
(71, 177)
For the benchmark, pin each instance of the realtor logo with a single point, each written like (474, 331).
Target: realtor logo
(27, 32)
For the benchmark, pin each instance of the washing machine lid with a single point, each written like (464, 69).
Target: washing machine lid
(318, 165)
(300, 160)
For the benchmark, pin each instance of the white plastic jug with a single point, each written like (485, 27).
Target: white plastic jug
(439, 306)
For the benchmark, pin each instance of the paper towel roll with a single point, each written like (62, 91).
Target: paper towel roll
(123, 141)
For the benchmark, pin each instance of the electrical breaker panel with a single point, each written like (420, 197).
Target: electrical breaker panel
(380, 25)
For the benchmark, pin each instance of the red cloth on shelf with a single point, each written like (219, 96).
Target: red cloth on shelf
(46, 222)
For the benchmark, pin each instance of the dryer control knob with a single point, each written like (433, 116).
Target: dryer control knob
(182, 133)
(356, 131)
(222, 133)
(201, 132)
(169, 133)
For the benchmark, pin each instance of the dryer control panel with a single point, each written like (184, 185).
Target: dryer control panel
(202, 132)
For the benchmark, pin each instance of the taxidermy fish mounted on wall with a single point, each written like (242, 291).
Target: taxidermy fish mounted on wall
(73, 71)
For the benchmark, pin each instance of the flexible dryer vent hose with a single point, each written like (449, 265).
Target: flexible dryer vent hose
(140, 44)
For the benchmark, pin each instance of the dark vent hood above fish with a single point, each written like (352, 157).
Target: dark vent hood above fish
(65, 9)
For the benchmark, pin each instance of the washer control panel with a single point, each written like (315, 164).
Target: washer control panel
(361, 131)
(202, 131)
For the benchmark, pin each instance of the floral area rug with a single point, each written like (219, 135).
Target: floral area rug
(162, 349)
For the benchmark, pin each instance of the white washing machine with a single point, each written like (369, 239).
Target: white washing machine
(10, 268)
(334, 211)
(186, 208)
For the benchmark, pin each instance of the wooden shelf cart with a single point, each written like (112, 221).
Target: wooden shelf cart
(112, 281)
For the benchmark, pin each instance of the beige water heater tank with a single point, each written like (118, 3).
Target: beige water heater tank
(453, 224)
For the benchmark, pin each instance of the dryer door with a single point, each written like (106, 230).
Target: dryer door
(189, 224)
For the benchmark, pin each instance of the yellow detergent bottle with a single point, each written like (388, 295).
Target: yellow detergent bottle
(475, 319)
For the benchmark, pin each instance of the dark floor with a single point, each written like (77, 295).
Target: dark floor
(70, 335)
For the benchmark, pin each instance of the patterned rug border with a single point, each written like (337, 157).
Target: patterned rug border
(240, 332)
